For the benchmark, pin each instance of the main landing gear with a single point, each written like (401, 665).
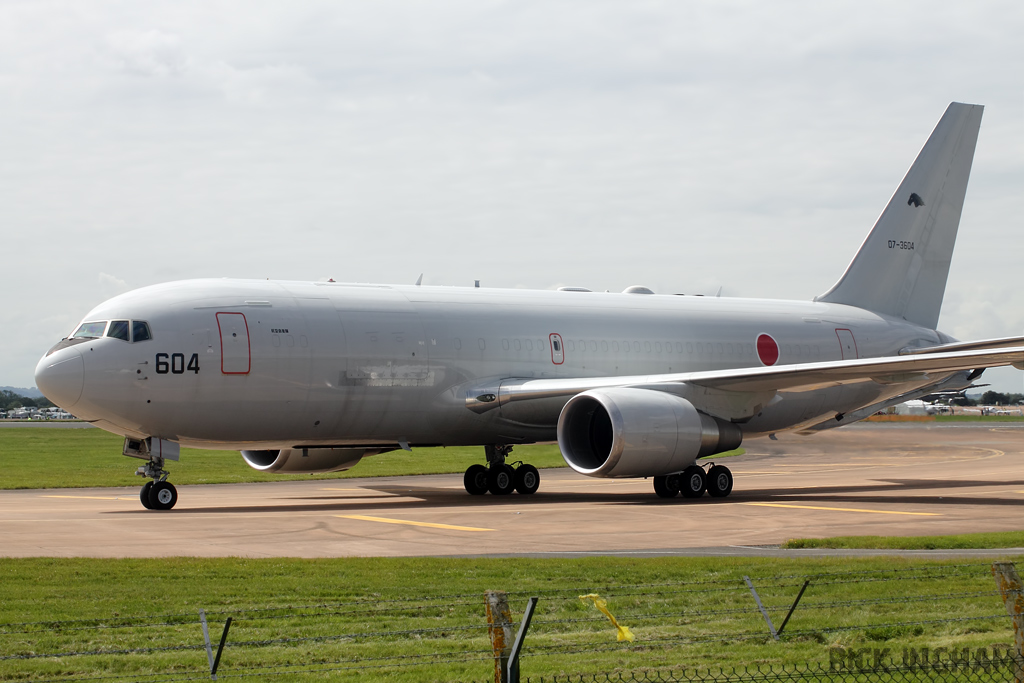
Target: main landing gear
(500, 478)
(693, 482)
(158, 494)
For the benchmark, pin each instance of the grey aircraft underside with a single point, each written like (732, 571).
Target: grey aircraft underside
(311, 377)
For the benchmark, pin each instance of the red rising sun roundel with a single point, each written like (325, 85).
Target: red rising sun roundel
(767, 349)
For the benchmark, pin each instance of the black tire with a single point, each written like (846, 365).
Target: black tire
(667, 486)
(692, 482)
(501, 480)
(475, 480)
(719, 481)
(144, 495)
(163, 495)
(527, 479)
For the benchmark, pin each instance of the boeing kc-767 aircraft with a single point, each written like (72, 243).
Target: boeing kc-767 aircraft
(314, 376)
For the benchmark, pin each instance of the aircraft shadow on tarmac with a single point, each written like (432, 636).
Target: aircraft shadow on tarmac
(887, 491)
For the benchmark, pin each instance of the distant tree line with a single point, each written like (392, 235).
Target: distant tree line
(10, 401)
(990, 398)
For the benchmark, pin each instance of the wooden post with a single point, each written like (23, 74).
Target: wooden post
(499, 626)
(1012, 591)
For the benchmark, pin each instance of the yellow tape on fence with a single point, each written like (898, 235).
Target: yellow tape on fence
(601, 604)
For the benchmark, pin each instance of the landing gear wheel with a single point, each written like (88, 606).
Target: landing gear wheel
(692, 482)
(144, 495)
(527, 479)
(501, 480)
(475, 480)
(719, 481)
(667, 486)
(163, 495)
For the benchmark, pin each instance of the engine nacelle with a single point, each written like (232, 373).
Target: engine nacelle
(307, 460)
(624, 432)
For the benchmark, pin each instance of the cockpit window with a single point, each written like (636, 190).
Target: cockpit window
(118, 329)
(140, 331)
(90, 330)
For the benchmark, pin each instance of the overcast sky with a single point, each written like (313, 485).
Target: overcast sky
(680, 145)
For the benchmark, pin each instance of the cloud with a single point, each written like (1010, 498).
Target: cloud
(112, 282)
(147, 53)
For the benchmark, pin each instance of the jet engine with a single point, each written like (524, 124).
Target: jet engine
(307, 460)
(625, 432)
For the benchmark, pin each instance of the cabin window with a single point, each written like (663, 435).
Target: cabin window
(721, 350)
(593, 345)
(90, 330)
(689, 347)
(647, 346)
(482, 343)
(556, 345)
(583, 345)
(458, 343)
(615, 346)
(140, 331)
(518, 344)
(571, 345)
(540, 345)
(728, 349)
(118, 330)
(668, 347)
(636, 346)
(657, 347)
(504, 344)
(529, 345)
(604, 345)
(679, 347)
(700, 348)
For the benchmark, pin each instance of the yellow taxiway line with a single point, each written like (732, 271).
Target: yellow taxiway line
(432, 525)
(876, 512)
(94, 497)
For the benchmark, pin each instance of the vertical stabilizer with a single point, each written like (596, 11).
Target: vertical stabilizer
(902, 266)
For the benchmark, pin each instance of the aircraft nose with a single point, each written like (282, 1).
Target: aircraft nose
(61, 377)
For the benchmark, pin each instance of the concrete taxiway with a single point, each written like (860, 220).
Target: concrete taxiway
(877, 479)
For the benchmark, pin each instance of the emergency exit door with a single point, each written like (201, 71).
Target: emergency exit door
(847, 344)
(234, 343)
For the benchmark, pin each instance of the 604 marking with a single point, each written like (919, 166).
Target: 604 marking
(176, 366)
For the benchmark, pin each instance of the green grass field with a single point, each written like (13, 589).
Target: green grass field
(413, 619)
(37, 457)
(1003, 539)
(57, 458)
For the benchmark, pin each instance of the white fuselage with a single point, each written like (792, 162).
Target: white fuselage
(272, 365)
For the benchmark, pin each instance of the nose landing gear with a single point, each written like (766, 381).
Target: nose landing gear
(158, 494)
(500, 478)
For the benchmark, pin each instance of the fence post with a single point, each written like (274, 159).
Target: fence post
(209, 647)
(499, 626)
(764, 612)
(1012, 591)
(517, 647)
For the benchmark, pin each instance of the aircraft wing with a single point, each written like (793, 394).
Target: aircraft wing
(1001, 343)
(915, 367)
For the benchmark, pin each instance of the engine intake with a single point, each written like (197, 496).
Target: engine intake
(307, 460)
(625, 432)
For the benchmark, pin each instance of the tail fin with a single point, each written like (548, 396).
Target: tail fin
(902, 266)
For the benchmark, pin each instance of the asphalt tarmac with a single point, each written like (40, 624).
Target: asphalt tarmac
(877, 479)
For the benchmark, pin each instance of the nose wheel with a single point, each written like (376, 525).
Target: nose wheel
(158, 494)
